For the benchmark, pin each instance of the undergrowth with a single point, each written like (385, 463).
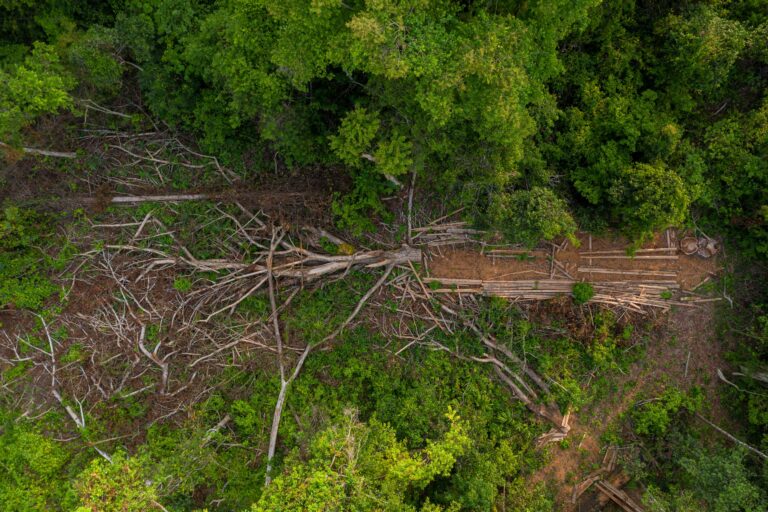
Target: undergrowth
(30, 255)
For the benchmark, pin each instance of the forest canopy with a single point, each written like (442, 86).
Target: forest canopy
(637, 115)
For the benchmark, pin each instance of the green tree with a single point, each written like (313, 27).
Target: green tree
(654, 416)
(722, 480)
(34, 470)
(39, 85)
(645, 198)
(529, 215)
(451, 91)
(116, 486)
(356, 466)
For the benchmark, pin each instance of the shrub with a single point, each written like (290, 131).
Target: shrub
(182, 284)
(530, 215)
(119, 486)
(23, 281)
(34, 466)
(353, 211)
(582, 293)
(654, 416)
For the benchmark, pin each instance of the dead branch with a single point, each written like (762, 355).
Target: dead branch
(733, 438)
(162, 363)
(42, 152)
(618, 496)
(156, 199)
(216, 428)
(156, 160)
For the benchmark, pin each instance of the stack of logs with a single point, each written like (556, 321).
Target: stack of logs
(629, 294)
(450, 233)
(599, 479)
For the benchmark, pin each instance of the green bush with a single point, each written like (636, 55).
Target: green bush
(117, 486)
(582, 293)
(652, 417)
(35, 469)
(24, 268)
(182, 284)
(356, 209)
(528, 216)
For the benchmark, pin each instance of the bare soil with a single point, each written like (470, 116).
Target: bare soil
(466, 263)
(690, 270)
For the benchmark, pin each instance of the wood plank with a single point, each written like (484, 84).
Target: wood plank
(594, 270)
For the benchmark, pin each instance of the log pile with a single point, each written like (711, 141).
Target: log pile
(629, 294)
(600, 479)
(450, 233)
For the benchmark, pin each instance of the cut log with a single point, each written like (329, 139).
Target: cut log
(620, 252)
(593, 270)
(617, 257)
(42, 152)
(618, 496)
(152, 199)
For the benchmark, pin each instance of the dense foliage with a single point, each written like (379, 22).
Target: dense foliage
(633, 114)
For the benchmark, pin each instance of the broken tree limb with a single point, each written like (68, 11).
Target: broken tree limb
(164, 198)
(42, 152)
(276, 418)
(389, 177)
(585, 484)
(511, 356)
(156, 160)
(595, 270)
(624, 252)
(609, 463)
(760, 376)
(162, 363)
(669, 257)
(512, 386)
(409, 237)
(283, 382)
(550, 412)
(733, 438)
(78, 420)
(618, 496)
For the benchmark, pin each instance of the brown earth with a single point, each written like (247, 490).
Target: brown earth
(690, 270)
(464, 263)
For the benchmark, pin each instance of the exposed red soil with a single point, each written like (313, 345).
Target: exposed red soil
(470, 264)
